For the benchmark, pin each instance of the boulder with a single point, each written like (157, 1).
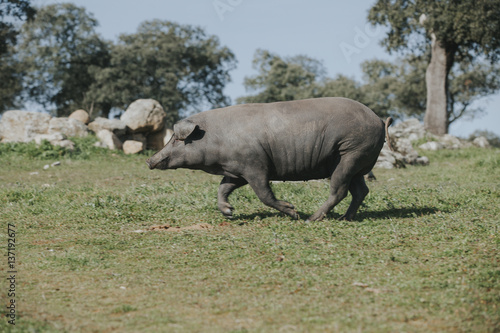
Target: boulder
(68, 126)
(52, 138)
(431, 145)
(422, 160)
(55, 139)
(109, 139)
(23, 126)
(450, 142)
(132, 147)
(481, 142)
(411, 129)
(389, 159)
(99, 144)
(68, 144)
(144, 116)
(81, 115)
(405, 148)
(114, 125)
(158, 140)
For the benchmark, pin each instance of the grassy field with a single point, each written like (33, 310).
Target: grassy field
(422, 256)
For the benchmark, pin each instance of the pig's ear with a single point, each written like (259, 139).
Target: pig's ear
(183, 129)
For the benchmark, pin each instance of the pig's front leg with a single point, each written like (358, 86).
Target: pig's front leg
(226, 187)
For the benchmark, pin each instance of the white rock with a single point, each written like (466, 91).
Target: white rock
(80, 115)
(99, 144)
(54, 137)
(144, 116)
(405, 148)
(132, 147)
(109, 139)
(411, 129)
(431, 145)
(46, 166)
(384, 164)
(68, 144)
(481, 142)
(389, 159)
(422, 160)
(23, 126)
(56, 164)
(68, 126)
(450, 141)
(114, 125)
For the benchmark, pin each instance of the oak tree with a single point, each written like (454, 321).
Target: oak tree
(58, 51)
(11, 12)
(181, 66)
(454, 30)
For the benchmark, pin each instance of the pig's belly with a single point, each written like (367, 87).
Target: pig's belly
(297, 173)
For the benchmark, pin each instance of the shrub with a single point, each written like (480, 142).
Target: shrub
(84, 149)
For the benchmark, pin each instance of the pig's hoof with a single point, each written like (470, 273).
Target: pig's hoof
(316, 217)
(226, 210)
(294, 215)
(228, 213)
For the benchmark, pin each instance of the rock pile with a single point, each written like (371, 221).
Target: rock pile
(21, 126)
(141, 126)
(403, 136)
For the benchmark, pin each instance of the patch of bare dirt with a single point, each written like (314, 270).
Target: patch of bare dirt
(166, 227)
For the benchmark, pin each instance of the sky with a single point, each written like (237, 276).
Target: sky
(335, 32)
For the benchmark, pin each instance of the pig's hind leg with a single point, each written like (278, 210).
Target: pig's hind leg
(226, 187)
(340, 181)
(359, 190)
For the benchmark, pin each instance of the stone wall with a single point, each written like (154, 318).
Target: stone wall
(141, 126)
(405, 134)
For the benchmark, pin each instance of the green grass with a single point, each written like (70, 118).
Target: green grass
(425, 243)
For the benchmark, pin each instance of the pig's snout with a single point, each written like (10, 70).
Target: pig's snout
(150, 165)
(158, 161)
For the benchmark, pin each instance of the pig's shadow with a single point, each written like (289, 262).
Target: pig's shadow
(362, 215)
(397, 213)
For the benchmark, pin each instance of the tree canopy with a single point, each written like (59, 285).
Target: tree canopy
(467, 28)
(13, 10)
(300, 77)
(178, 65)
(10, 69)
(67, 65)
(451, 31)
(282, 79)
(394, 88)
(58, 50)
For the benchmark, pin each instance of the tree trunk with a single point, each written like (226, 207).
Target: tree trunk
(436, 78)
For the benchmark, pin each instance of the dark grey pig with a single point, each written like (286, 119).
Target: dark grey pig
(334, 138)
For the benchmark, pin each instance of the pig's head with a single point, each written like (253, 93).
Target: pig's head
(179, 150)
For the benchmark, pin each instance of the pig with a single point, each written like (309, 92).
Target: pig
(331, 137)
